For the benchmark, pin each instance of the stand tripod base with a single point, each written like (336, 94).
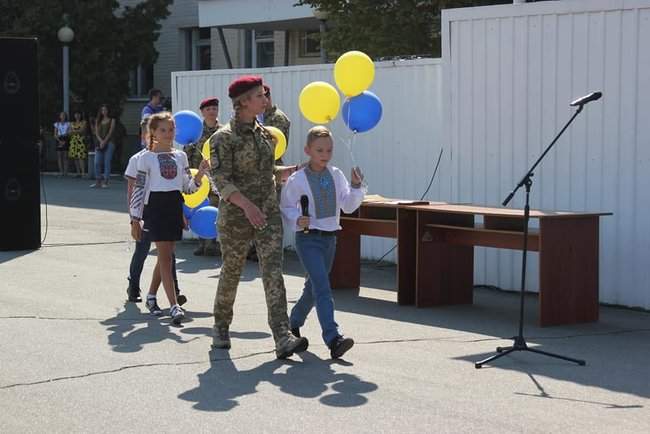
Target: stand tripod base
(519, 344)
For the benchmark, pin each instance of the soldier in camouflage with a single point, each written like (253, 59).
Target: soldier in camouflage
(245, 174)
(210, 111)
(273, 117)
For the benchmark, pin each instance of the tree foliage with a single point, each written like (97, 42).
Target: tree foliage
(109, 41)
(387, 27)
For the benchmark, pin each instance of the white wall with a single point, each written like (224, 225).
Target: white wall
(398, 156)
(512, 71)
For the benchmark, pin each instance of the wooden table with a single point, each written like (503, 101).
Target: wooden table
(435, 253)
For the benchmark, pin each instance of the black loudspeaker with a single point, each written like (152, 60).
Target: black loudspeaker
(19, 129)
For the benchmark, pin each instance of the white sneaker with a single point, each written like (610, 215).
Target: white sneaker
(177, 314)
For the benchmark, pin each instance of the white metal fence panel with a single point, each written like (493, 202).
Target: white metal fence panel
(397, 156)
(512, 71)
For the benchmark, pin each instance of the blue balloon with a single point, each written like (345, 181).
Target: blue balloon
(189, 127)
(362, 112)
(204, 222)
(189, 212)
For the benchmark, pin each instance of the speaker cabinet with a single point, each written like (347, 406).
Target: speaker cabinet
(19, 171)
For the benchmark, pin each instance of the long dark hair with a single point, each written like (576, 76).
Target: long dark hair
(100, 117)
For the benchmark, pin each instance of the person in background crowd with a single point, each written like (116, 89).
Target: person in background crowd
(62, 137)
(104, 128)
(154, 105)
(210, 111)
(78, 150)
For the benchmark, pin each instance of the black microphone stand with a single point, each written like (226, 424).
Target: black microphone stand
(519, 343)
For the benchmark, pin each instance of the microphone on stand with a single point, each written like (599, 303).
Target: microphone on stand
(594, 96)
(304, 205)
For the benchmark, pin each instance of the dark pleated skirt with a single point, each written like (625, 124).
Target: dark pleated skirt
(163, 216)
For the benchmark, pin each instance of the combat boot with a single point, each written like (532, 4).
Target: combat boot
(289, 344)
(200, 250)
(221, 338)
(212, 248)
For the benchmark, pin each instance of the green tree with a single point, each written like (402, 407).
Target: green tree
(109, 41)
(387, 27)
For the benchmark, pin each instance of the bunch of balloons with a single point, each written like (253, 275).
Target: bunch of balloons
(354, 72)
(196, 209)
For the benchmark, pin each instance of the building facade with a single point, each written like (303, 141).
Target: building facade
(221, 34)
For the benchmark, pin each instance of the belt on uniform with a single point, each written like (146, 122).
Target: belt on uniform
(318, 231)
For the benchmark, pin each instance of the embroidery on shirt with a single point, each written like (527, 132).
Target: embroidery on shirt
(168, 167)
(323, 191)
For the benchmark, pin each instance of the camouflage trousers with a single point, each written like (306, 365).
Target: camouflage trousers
(235, 236)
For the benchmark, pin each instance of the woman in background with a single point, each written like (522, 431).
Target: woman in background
(104, 127)
(78, 150)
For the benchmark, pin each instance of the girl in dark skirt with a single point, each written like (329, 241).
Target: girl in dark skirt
(163, 173)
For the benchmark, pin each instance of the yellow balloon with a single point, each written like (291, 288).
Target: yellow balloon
(194, 199)
(319, 102)
(205, 151)
(354, 72)
(279, 139)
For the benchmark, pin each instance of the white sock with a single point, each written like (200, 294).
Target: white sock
(151, 296)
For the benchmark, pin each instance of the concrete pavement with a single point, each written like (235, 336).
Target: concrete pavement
(76, 358)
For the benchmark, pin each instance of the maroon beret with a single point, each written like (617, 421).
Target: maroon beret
(213, 100)
(243, 84)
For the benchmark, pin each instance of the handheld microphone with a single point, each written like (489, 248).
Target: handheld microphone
(594, 96)
(304, 205)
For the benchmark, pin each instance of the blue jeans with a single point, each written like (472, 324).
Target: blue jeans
(103, 159)
(316, 253)
(141, 252)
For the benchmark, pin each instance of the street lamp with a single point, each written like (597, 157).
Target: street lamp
(66, 35)
(322, 16)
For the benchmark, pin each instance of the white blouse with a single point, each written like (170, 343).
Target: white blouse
(159, 172)
(347, 199)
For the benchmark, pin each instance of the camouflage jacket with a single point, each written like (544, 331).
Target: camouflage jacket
(274, 117)
(241, 156)
(193, 150)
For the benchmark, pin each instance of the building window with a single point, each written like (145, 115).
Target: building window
(140, 81)
(263, 49)
(309, 44)
(199, 50)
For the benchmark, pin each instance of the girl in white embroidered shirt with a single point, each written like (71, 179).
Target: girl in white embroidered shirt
(165, 172)
(327, 192)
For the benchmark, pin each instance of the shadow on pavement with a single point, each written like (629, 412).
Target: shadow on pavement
(124, 337)
(10, 255)
(222, 384)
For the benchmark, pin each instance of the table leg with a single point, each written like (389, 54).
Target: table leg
(568, 271)
(445, 273)
(346, 270)
(406, 255)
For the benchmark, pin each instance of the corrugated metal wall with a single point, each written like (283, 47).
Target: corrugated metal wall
(398, 156)
(512, 71)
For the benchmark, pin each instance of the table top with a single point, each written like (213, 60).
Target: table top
(464, 208)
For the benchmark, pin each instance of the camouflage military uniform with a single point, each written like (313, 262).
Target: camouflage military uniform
(194, 157)
(274, 117)
(242, 160)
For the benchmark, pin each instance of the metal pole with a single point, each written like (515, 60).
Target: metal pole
(323, 53)
(66, 78)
